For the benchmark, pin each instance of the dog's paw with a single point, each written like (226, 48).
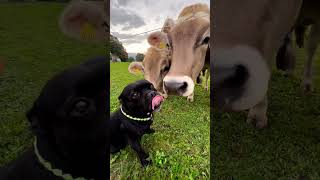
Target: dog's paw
(150, 131)
(114, 149)
(145, 162)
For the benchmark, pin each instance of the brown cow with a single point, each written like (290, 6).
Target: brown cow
(189, 39)
(247, 34)
(156, 62)
(309, 16)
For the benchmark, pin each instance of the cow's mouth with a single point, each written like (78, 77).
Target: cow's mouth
(240, 78)
(156, 102)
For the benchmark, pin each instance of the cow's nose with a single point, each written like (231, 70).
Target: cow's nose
(175, 87)
(178, 85)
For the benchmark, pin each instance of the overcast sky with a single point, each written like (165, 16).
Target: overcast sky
(130, 17)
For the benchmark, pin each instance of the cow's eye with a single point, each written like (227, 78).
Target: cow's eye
(165, 69)
(205, 40)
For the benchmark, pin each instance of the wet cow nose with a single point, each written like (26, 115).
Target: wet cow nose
(175, 87)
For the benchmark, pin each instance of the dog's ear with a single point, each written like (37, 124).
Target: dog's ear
(34, 120)
(120, 98)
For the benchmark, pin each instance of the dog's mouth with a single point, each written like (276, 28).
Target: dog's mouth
(156, 102)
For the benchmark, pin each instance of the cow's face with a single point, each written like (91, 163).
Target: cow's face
(156, 62)
(246, 35)
(189, 39)
(85, 20)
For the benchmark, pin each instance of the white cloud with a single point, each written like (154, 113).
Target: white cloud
(129, 17)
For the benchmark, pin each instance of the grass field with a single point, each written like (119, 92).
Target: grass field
(287, 149)
(34, 50)
(180, 145)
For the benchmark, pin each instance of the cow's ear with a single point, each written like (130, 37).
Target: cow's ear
(136, 67)
(168, 25)
(85, 20)
(158, 39)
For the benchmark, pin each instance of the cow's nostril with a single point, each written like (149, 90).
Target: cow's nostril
(183, 86)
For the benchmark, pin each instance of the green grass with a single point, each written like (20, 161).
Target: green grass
(34, 49)
(287, 149)
(180, 146)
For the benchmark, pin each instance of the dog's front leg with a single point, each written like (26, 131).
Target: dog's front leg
(135, 145)
(150, 131)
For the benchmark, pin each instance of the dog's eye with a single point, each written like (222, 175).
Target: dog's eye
(81, 105)
(80, 108)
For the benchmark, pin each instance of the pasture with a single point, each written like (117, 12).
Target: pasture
(180, 146)
(289, 148)
(34, 50)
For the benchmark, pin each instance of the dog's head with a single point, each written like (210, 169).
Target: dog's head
(140, 98)
(71, 111)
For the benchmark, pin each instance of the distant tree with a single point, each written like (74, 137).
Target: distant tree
(124, 56)
(117, 49)
(139, 57)
(130, 59)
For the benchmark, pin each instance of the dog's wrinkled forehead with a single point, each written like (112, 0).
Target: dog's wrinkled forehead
(138, 85)
(87, 79)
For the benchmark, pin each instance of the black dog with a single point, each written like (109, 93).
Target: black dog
(128, 124)
(69, 121)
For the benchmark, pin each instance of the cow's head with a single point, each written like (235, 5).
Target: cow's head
(189, 39)
(246, 35)
(85, 20)
(156, 62)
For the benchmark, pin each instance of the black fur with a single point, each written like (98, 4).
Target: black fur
(69, 120)
(285, 59)
(136, 101)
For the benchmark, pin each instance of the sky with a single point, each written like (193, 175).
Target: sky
(131, 17)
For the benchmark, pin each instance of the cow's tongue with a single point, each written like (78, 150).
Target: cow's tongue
(156, 101)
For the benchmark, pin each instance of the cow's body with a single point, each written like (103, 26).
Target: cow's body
(177, 66)
(189, 39)
(309, 16)
(157, 59)
(247, 33)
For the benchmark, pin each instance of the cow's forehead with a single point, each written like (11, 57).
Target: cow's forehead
(191, 28)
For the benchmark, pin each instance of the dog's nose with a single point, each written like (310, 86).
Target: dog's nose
(174, 87)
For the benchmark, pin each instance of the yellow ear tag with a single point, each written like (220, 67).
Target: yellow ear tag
(162, 45)
(136, 70)
(88, 31)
